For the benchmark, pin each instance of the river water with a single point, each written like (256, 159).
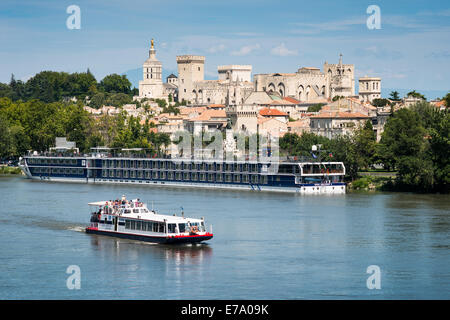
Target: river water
(265, 245)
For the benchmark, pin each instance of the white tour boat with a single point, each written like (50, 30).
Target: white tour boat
(131, 219)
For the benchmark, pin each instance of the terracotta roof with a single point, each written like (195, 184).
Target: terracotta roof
(189, 110)
(208, 114)
(264, 119)
(216, 106)
(439, 103)
(349, 115)
(281, 102)
(272, 112)
(291, 100)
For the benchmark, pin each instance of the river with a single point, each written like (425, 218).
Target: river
(265, 245)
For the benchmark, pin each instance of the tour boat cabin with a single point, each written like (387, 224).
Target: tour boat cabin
(132, 219)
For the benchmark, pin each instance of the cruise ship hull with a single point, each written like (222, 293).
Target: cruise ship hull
(334, 188)
(178, 239)
(300, 178)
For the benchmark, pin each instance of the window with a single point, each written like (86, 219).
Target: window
(171, 227)
(182, 227)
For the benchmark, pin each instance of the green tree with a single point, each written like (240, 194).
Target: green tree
(365, 145)
(379, 103)
(394, 95)
(404, 144)
(447, 100)
(115, 83)
(415, 94)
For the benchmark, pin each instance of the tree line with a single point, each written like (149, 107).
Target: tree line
(34, 125)
(51, 86)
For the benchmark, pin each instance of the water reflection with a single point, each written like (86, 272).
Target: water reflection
(179, 254)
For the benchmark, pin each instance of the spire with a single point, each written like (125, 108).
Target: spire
(340, 59)
(152, 51)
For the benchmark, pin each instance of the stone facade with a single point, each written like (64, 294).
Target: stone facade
(242, 73)
(191, 68)
(369, 89)
(309, 84)
(340, 79)
(151, 86)
(332, 124)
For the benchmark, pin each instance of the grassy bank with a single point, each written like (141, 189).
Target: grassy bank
(9, 170)
(373, 182)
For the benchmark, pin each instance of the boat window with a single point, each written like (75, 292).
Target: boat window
(182, 227)
(171, 227)
(135, 210)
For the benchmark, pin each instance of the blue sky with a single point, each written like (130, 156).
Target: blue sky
(410, 51)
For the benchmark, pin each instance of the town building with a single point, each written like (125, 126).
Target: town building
(309, 83)
(369, 89)
(332, 124)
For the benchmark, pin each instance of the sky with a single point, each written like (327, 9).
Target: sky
(410, 50)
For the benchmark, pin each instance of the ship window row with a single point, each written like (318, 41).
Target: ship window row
(66, 171)
(186, 176)
(52, 161)
(323, 168)
(150, 226)
(141, 164)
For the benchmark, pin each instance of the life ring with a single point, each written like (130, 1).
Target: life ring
(194, 229)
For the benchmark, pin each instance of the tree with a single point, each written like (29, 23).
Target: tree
(415, 94)
(394, 95)
(315, 107)
(115, 83)
(365, 145)
(5, 137)
(447, 100)
(404, 143)
(379, 102)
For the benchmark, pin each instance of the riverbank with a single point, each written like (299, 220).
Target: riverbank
(373, 181)
(6, 170)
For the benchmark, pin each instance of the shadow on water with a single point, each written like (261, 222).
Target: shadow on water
(181, 253)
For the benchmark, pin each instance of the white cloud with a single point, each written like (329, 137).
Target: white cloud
(217, 48)
(282, 51)
(246, 50)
